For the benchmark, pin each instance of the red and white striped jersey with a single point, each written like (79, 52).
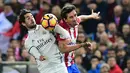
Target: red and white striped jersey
(73, 32)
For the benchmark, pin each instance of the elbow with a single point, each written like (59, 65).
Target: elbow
(64, 49)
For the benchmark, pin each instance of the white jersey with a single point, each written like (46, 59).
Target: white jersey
(42, 42)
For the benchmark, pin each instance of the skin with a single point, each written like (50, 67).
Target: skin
(72, 17)
(30, 22)
(71, 20)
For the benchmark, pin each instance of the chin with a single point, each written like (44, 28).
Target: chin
(34, 26)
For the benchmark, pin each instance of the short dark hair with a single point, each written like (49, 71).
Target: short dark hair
(22, 13)
(110, 58)
(128, 58)
(111, 49)
(95, 57)
(67, 9)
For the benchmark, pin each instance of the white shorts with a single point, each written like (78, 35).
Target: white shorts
(59, 68)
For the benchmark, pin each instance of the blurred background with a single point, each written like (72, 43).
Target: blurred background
(110, 36)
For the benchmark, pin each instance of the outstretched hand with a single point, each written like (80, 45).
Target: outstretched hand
(95, 15)
(88, 45)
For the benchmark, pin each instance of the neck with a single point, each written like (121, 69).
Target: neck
(32, 27)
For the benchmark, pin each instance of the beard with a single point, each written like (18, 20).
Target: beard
(31, 27)
(74, 24)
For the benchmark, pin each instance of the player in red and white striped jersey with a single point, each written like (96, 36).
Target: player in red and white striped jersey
(70, 22)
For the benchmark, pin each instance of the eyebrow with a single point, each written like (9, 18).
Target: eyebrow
(27, 17)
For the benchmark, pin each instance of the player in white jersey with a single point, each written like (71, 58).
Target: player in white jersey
(41, 44)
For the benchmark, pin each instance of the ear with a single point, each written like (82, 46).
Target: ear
(65, 19)
(23, 24)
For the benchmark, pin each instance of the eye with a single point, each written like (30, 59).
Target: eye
(27, 18)
(75, 15)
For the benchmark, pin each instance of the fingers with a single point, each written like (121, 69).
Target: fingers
(92, 11)
(89, 45)
(98, 13)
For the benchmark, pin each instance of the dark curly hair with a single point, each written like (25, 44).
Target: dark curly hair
(67, 9)
(22, 13)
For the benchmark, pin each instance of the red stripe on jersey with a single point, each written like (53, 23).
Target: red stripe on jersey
(69, 57)
(65, 58)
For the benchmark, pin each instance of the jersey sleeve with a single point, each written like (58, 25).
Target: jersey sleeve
(62, 33)
(32, 50)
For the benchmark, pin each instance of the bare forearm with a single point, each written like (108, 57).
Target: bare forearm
(85, 17)
(68, 48)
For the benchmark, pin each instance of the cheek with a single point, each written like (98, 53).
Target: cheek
(69, 21)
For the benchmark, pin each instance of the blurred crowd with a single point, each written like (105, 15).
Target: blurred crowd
(110, 36)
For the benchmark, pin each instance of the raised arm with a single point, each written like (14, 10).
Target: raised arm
(92, 16)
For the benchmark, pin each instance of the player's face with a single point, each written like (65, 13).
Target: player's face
(72, 18)
(29, 21)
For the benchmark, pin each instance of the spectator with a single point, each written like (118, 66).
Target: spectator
(121, 44)
(112, 29)
(16, 6)
(126, 33)
(126, 5)
(11, 59)
(10, 52)
(56, 10)
(114, 68)
(99, 55)
(24, 55)
(45, 7)
(81, 38)
(86, 60)
(105, 68)
(121, 58)
(94, 45)
(103, 49)
(9, 13)
(120, 17)
(110, 9)
(1, 5)
(104, 39)
(35, 4)
(127, 69)
(110, 53)
(100, 31)
(95, 65)
(5, 26)
(15, 44)
(78, 61)
(29, 5)
(102, 7)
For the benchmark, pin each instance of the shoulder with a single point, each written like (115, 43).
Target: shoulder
(27, 40)
(118, 69)
(63, 24)
(39, 27)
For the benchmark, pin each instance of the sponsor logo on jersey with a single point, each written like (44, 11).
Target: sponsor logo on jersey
(43, 42)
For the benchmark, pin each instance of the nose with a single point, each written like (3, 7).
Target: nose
(74, 18)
